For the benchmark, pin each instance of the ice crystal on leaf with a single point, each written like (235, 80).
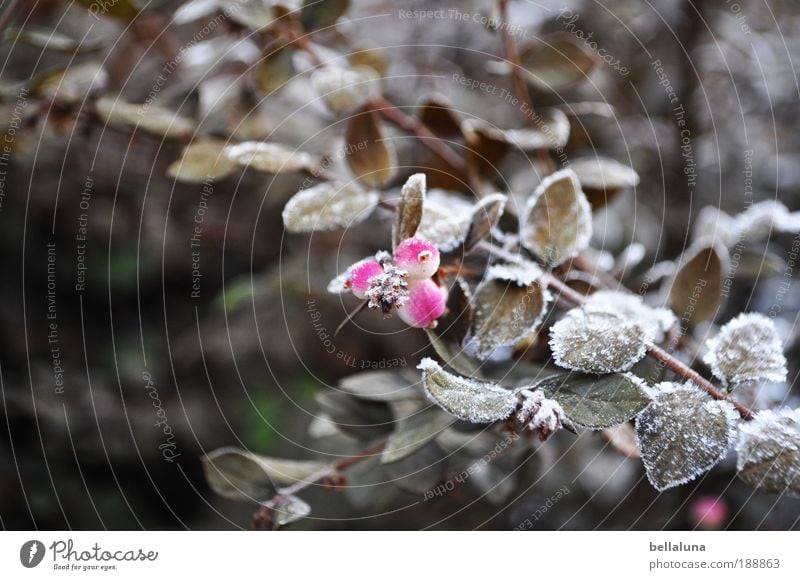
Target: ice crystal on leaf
(656, 322)
(769, 451)
(747, 349)
(445, 219)
(344, 89)
(465, 398)
(683, 433)
(597, 342)
(328, 206)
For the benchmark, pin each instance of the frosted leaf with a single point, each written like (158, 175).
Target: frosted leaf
(549, 130)
(413, 432)
(344, 89)
(448, 336)
(269, 157)
(506, 309)
(410, 209)
(683, 434)
(445, 220)
(150, 119)
(201, 161)
(239, 474)
(767, 217)
(603, 178)
(287, 509)
(485, 216)
(696, 291)
(769, 451)
(381, 385)
(467, 399)
(597, 342)
(597, 402)
(747, 349)
(328, 206)
(655, 321)
(557, 222)
(371, 157)
(557, 61)
(712, 221)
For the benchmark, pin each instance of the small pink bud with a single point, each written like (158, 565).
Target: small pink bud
(709, 512)
(360, 274)
(426, 303)
(418, 257)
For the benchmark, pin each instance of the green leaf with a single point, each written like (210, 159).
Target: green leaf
(413, 432)
(557, 222)
(71, 85)
(370, 156)
(409, 208)
(683, 434)
(468, 399)
(380, 385)
(121, 9)
(202, 161)
(359, 418)
(597, 402)
(317, 14)
(276, 69)
(328, 206)
(238, 474)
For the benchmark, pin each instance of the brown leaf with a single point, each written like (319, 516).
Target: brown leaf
(696, 292)
(602, 179)
(484, 217)
(371, 156)
(557, 61)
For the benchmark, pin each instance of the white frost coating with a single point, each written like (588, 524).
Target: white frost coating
(466, 398)
(521, 274)
(747, 349)
(763, 218)
(445, 219)
(415, 185)
(557, 222)
(769, 451)
(655, 321)
(683, 433)
(540, 413)
(269, 157)
(597, 342)
(327, 206)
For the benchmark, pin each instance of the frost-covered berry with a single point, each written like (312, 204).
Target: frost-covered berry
(426, 303)
(417, 256)
(360, 275)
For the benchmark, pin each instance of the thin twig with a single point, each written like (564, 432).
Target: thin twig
(653, 351)
(520, 88)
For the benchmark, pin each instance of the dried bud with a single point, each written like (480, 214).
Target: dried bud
(540, 413)
(419, 257)
(426, 303)
(388, 290)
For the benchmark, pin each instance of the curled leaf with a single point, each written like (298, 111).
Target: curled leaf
(603, 178)
(683, 434)
(467, 399)
(409, 209)
(328, 206)
(769, 451)
(747, 349)
(557, 223)
(485, 216)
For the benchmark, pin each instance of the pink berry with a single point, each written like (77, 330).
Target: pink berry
(360, 274)
(709, 512)
(426, 303)
(418, 257)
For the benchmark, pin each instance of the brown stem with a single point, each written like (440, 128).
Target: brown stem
(653, 351)
(411, 125)
(520, 88)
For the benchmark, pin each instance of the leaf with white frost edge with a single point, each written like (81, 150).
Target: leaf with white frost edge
(288, 509)
(344, 89)
(446, 219)
(769, 451)
(485, 216)
(683, 434)
(747, 349)
(201, 161)
(410, 209)
(597, 342)
(467, 399)
(597, 402)
(328, 206)
(557, 222)
(268, 157)
(655, 321)
(509, 304)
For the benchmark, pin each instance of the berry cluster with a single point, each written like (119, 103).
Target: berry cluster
(403, 282)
